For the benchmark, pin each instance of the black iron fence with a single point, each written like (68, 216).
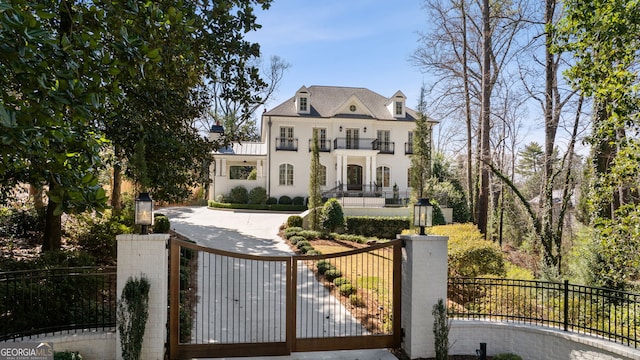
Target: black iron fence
(34, 302)
(610, 314)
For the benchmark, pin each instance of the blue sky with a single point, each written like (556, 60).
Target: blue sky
(357, 43)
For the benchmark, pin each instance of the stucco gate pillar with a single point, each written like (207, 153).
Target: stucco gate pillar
(146, 255)
(424, 281)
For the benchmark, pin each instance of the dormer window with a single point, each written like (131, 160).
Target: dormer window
(303, 106)
(397, 105)
(399, 108)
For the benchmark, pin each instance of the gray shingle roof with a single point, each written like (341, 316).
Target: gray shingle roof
(325, 101)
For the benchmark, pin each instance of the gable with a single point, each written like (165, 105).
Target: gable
(352, 107)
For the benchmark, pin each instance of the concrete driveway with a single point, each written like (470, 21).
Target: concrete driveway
(253, 233)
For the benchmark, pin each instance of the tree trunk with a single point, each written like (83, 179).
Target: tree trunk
(52, 239)
(116, 189)
(467, 104)
(483, 196)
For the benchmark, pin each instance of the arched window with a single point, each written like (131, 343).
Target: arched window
(383, 176)
(286, 174)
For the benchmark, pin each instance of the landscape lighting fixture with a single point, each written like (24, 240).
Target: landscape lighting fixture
(422, 214)
(144, 212)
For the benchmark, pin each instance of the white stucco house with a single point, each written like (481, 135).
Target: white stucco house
(365, 144)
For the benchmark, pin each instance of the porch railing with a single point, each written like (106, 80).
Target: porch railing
(610, 314)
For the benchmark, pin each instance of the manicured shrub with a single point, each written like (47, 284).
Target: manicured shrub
(356, 300)
(469, 254)
(291, 231)
(161, 224)
(380, 227)
(298, 200)
(341, 281)
(258, 195)
(314, 252)
(302, 243)
(323, 266)
(332, 215)
(305, 249)
(294, 221)
(295, 239)
(272, 201)
(438, 216)
(332, 274)
(239, 195)
(353, 238)
(284, 200)
(347, 289)
(310, 234)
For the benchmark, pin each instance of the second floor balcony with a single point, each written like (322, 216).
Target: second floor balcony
(353, 143)
(287, 144)
(323, 145)
(385, 147)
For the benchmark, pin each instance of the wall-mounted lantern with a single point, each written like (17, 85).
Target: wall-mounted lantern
(422, 214)
(144, 212)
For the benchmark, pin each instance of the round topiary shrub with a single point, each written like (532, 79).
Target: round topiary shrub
(314, 252)
(161, 224)
(298, 200)
(294, 221)
(272, 201)
(332, 274)
(341, 281)
(332, 215)
(258, 195)
(356, 300)
(239, 195)
(284, 200)
(295, 239)
(305, 249)
(302, 243)
(347, 289)
(323, 266)
(291, 231)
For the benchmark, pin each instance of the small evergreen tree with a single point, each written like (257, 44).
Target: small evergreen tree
(332, 215)
(421, 158)
(315, 196)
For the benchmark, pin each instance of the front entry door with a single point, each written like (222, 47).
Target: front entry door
(354, 177)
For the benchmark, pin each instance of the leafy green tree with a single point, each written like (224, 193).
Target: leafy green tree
(315, 196)
(602, 36)
(51, 74)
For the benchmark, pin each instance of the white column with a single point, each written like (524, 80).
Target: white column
(338, 169)
(424, 281)
(367, 172)
(373, 166)
(146, 255)
(223, 168)
(344, 171)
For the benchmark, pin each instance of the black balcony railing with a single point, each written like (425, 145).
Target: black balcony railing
(287, 144)
(34, 302)
(610, 314)
(323, 146)
(408, 148)
(385, 147)
(353, 143)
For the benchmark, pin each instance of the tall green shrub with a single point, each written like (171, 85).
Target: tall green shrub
(332, 215)
(441, 328)
(239, 195)
(132, 315)
(258, 195)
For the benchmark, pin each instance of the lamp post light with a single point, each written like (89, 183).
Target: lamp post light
(144, 212)
(422, 214)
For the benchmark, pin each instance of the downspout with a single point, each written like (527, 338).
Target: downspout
(269, 158)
